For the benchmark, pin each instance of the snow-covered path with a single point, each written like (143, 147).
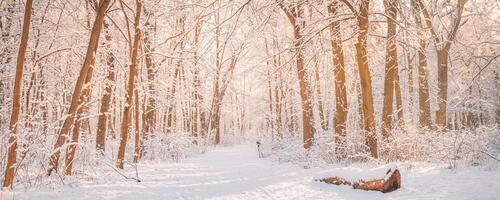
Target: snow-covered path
(237, 173)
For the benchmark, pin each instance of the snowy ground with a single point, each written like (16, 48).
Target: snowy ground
(237, 173)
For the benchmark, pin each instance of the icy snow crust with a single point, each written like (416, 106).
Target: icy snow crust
(237, 173)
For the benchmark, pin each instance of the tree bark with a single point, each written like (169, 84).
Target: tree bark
(423, 85)
(399, 100)
(383, 185)
(127, 111)
(443, 45)
(270, 95)
(391, 62)
(106, 97)
(365, 78)
(94, 38)
(16, 98)
(171, 111)
(137, 140)
(70, 152)
(294, 13)
(340, 79)
(196, 123)
(442, 63)
(323, 121)
(150, 112)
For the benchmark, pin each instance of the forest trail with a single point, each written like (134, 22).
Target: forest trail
(237, 173)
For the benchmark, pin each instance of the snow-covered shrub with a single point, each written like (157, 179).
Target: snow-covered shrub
(453, 147)
(289, 148)
(172, 146)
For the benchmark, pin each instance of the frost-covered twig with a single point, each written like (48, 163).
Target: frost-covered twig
(117, 171)
(491, 156)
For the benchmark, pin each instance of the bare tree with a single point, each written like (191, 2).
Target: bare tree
(341, 106)
(364, 74)
(423, 85)
(16, 100)
(294, 13)
(106, 97)
(443, 45)
(91, 49)
(391, 67)
(127, 111)
(150, 112)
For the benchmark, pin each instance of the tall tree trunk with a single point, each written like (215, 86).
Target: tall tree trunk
(16, 98)
(220, 87)
(323, 121)
(340, 79)
(442, 63)
(150, 112)
(106, 97)
(399, 100)
(137, 140)
(278, 96)
(127, 111)
(391, 65)
(410, 83)
(171, 111)
(294, 13)
(196, 119)
(214, 111)
(91, 49)
(70, 152)
(365, 78)
(308, 132)
(443, 45)
(423, 87)
(270, 95)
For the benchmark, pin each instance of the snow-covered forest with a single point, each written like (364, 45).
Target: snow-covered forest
(249, 99)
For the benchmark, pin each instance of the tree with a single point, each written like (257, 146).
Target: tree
(341, 108)
(364, 74)
(127, 111)
(443, 45)
(391, 67)
(150, 112)
(106, 97)
(16, 100)
(70, 152)
(423, 85)
(294, 13)
(89, 58)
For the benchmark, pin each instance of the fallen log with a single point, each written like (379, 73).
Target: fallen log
(335, 180)
(390, 183)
